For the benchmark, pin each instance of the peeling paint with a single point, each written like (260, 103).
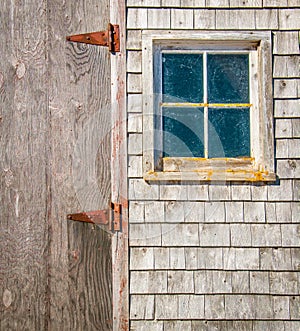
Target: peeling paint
(17, 204)
(1, 80)
(7, 298)
(20, 69)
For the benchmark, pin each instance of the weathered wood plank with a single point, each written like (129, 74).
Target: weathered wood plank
(137, 18)
(289, 19)
(286, 42)
(204, 19)
(182, 19)
(143, 3)
(170, 3)
(287, 88)
(287, 108)
(80, 260)
(266, 19)
(23, 166)
(207, 176)
(235, 19)
(245, 3)
(217, 3)
(275, 3)
(119, 190)
(159, 18)
(134, 40)
(134, 62)
(286, 66)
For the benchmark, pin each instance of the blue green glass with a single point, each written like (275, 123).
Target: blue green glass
(228, 78)
(228, 132)
(183, 132)
(182, 78)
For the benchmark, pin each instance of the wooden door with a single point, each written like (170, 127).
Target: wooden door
(55, 153)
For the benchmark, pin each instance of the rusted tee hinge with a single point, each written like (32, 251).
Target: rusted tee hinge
(110, 38)
(111, 219)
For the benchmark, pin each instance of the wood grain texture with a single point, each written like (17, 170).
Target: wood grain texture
(79, 98)
(23, 164)
(119, 172)
(54, 160)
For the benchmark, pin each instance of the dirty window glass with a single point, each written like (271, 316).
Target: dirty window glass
(205, 105)
(228, 78)
(228, 132)
(182, 78)
(183, 132)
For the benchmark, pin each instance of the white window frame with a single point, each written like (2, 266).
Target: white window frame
(258, 167)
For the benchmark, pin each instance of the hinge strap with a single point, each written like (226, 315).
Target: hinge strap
(99, 217)
(109, 38)
(111, 218)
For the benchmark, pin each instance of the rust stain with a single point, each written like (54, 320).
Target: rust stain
(94, 217)
(75, 254)
(7, 298)
(110, 38)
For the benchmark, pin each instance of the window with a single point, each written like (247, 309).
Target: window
(207, 106)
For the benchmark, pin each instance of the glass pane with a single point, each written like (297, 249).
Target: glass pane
(228, 132)
(182, 78)
(183, 132)
(228, 78)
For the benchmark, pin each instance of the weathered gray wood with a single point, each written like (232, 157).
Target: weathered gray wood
(286, 42)
(287, 108)
(266, 19)
(137, 18)
(286, 66)
(245, 3)
(119, 191)
(142, 258)
(55, 134)
(235, 19)
(24, 167)
(177, 325)
(148, 325)
(134, 62)
(217, 3)
(275, 3)
(177, 258)
(204, 19)
(148, 282)
(159, 19)
(143, 3)
(142, 307)
(182, 18)
(134, 39)
(80, 260)
(287, 88)
(134, 83)
(289, 19)
(170, 3)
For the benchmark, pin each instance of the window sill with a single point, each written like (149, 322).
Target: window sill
(208, 170)
(211, 176)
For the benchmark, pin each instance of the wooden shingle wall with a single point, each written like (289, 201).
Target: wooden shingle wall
(217, 257)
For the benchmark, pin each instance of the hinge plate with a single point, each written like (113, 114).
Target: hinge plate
(109, 38)
(116, 215)
(109, 218)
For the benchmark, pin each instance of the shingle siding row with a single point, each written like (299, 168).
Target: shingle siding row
(227, 256)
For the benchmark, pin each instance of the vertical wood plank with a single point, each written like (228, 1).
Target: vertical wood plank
(79, 94)
(23, 166)
(119, 171)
